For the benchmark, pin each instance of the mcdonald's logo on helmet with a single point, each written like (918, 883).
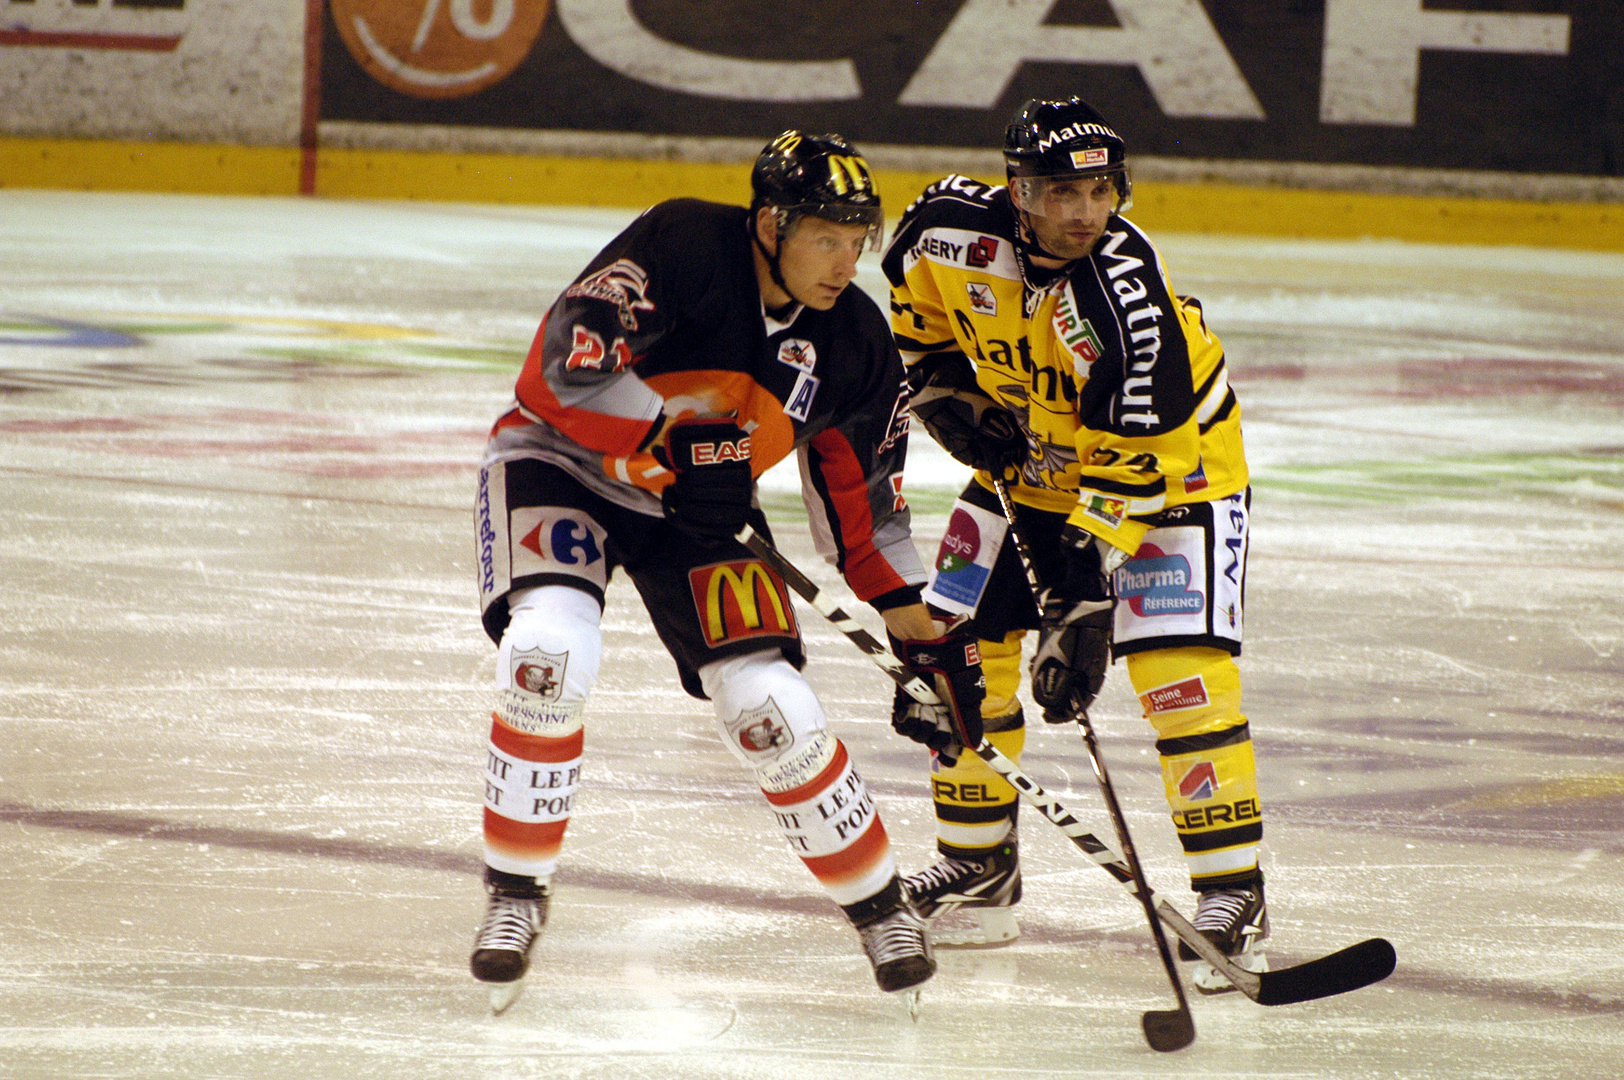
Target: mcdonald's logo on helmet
(824, 176)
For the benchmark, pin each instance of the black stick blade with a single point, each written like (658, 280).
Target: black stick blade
(1358, 965)
(1170, 1030)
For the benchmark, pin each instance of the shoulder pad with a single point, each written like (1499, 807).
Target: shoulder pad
(955, 201)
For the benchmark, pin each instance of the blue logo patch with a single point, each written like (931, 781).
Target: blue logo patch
(1158, 584)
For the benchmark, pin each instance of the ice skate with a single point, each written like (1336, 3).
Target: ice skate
(501, 955)
(900, 952)
(1235, 920)
(984, 883)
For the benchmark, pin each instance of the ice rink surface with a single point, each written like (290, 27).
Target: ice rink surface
(243, 686)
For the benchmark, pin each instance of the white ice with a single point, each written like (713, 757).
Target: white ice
(244, 688)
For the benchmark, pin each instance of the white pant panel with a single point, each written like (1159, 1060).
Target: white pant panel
(769, 717)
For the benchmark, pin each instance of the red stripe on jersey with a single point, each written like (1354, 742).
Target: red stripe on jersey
(864, 568)
(528, 747)
(510, 419)
(814, 787)
(524, 839)
(615, 435)
(855, 861)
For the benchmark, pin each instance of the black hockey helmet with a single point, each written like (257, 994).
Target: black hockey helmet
(821, 176)
(1066, 138)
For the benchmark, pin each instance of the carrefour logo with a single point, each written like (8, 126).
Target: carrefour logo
(1155, 583)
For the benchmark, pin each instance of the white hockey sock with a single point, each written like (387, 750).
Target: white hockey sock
(547, 662)
(773, 723)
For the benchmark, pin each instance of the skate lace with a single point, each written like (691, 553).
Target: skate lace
(941, 875)
(1222, 909)
(509, 924)
(893, 938)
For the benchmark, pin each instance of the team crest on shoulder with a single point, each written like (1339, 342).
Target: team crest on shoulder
(622, 283)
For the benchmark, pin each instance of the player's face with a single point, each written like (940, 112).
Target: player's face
(818, 259)
(1068, 213)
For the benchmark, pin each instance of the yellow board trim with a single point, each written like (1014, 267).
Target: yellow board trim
(191, 168)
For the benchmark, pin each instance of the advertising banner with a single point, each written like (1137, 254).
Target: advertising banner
(1534, 86)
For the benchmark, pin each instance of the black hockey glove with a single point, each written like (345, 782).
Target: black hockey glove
(999, 442)
(950, 665)
(710, 497)
(1074, 645)
(969, 425)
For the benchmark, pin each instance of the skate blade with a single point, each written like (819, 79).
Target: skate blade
(991, 928)
(1207, 980)
(911, 1001)
(504, 994)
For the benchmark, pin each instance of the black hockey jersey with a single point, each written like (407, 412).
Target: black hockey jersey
(669, 317)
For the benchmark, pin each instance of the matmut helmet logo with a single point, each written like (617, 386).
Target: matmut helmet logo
(622, 283)
(1074, 131)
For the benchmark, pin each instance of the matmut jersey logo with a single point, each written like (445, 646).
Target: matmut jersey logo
(743, 599)
(1189, 693)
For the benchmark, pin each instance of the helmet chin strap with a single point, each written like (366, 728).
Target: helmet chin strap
(772, 258)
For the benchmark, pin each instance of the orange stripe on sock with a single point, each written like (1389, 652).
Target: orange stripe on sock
(528, 747)
(864, 854)
(524, 839)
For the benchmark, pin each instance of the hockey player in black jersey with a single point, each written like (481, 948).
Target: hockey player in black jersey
(1045, 345)
(700, 347)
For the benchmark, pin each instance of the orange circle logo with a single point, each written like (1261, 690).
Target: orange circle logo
(439, 48)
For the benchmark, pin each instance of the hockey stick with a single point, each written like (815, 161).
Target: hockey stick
(1351, 968)
(1119, 821)
(1165, 1030)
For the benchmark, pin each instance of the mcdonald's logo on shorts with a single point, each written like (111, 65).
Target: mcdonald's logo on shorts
(741, 599)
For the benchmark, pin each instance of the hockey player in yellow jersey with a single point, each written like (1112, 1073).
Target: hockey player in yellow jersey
(1045, 344)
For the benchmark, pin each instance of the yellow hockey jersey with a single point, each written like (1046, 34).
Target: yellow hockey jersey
(1120, 386)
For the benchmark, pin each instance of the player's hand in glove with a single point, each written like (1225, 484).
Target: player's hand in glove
(971, 427)
(1074, 644)
(950, 665)
(710, 497)
(998, 442)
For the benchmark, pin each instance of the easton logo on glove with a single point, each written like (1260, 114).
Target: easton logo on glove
(715, 453)
(710, 497)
